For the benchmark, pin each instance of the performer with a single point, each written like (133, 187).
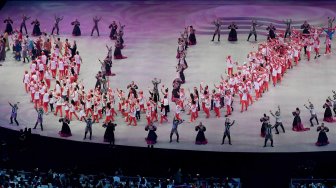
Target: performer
(57, 20)
(328, 44)
(305, 28)
(312, 114)
(200, 138)
(113, 33)
(39, 118)
(151, 137)
(322, 139)
(297, 124)
(23, 23)
(176, 123)
(278, 121)
(233, 32)
(268, 135)
(14, 113)
(265, 120)
(253, 30)
(36, 29)
(95, 27)
(117, 50)
(76, 30)
(333, 101)
(65, 131)
(109, 132)
(155, 91)
(328, 117)
(192, 36)
(132, 89)
(288, 31)
(228, 125)
(330, 22)
(88, 127)
(217, 24)
(9, 28)
(317, 47)
(229, 64)
(180, 70)
(271, 32)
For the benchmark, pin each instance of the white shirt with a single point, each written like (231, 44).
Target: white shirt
(46, 97)
(26, 79)
(229, 63)
(77, 59)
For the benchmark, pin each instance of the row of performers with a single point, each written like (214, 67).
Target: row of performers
(187, 38)
(151, 138)
(297, 123)
(271, 29)
(76, 30)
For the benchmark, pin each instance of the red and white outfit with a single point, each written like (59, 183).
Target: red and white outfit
(229, 65)
(73, 111)
(45, 102)
(132, 116)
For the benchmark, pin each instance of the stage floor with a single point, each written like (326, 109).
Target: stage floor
(151, 34)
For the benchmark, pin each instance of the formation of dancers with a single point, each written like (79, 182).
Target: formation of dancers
(22, 49)
(54, 86)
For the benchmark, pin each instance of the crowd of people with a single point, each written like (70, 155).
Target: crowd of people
(54, 86)
(23, 47)
(72, 178)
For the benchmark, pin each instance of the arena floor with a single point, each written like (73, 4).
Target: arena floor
(151, 33)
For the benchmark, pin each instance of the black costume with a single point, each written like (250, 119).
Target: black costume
(117, 50)
(192, 36)
(305, 28)
(113, 33)
(322, 139)
(233, 32)
(36, 29)
(109, 132)
(200, 138)
(328, 117)
(151, 137)
(65, 131)
(76, 30)
(9, 28)
(271, 32)
(297, 124)
(265, 121)
(132, 87)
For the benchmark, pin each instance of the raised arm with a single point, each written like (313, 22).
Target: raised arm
(10, 104)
